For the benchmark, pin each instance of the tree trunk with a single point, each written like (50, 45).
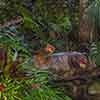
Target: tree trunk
(84, 34)
(80, 92)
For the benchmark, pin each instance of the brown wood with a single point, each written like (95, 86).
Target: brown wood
(13, 22)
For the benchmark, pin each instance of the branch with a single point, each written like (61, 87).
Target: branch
(12, 22)
(91, 74)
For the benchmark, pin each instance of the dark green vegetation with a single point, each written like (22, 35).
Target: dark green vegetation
(69, 25)
(19, 79)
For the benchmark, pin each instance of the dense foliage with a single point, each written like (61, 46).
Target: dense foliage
(19, 79)
(45, 21)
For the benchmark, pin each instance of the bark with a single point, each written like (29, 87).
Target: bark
(84, 34)
(13, 22)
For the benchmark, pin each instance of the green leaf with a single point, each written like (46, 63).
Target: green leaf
(98, 60)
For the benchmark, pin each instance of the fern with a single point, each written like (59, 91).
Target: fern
(13, 43)
(95, 52)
